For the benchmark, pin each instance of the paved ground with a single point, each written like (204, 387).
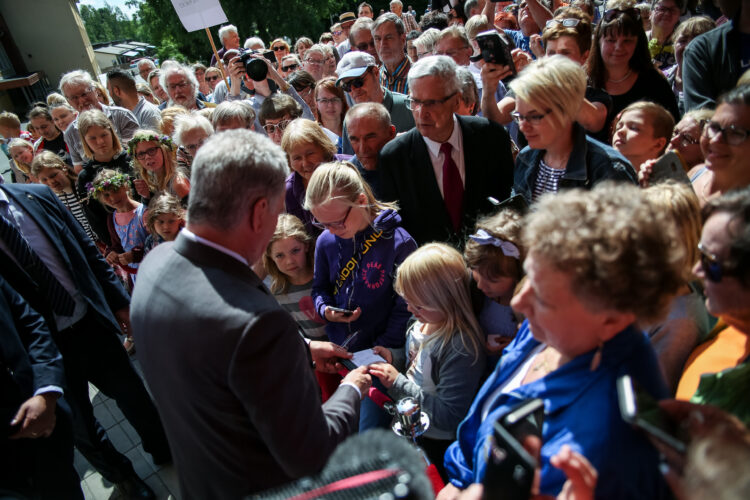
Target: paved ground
(163, 480)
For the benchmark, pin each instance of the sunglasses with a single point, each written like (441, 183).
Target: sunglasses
(278, 48)
(212, 78)
(270, 128)
(712, 267)
(568, 22)
(614, 13)
(291, 67)
(354, 83)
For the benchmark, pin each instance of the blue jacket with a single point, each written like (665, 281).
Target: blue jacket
(368, 283)
(581, 410)
(589, 163)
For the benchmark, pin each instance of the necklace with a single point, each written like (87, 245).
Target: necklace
(630, 72)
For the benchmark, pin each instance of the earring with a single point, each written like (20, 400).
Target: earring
(597, 358)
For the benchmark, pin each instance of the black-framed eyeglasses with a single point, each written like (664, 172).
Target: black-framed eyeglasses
(714, 269)
(354, 83)
(613, 13)
(270, 128)
(291, 67)
(531, 119)
(732, 134)
(340, 224)
(567, 22)
(141, 155)
(412, 103)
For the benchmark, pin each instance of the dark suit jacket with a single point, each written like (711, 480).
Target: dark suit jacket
(93, 277)
(230, 374)
(407, 176)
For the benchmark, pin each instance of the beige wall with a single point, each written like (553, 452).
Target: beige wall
(50, 36)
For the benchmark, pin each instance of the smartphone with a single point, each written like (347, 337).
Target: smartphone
(510, 468)
(345, 312)
(669, 167)
(495, 50)
(638, 408)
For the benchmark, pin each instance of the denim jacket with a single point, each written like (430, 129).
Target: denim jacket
(590, 162)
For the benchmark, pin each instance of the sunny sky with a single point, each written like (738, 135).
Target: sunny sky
(114, 3)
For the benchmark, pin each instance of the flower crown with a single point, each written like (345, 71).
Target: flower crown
(162, 139)
(112, 183)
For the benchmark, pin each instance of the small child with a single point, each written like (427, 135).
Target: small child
(165, 218)
(53, 172)
(494, 255)
(22, 153)
(289, 261)
(444, 356)
(642, 132)
(10, 128)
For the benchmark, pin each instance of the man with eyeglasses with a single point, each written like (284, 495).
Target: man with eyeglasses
(443, 171)
(390, 42)
(358, 76)
(715, 372)
(182, 87)
(78, 88)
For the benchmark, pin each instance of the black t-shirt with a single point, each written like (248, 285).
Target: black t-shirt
(58, 147)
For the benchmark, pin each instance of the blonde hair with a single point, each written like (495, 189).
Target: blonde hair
(163, 204)
(489, 260)
(301, 132)
(660, 119)
(341, 180)
(288, 226)
(168, 116)
(680, 201)
(54, 99)
(435, 277)
(156, 181)
(555, 84)
(21, 143)
(48, 159)
(476, 24)
(91, 118)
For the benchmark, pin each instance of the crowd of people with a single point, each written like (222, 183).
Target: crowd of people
(487, 227)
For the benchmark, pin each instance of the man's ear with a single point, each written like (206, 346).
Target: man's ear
(258, 214)
(392, 133)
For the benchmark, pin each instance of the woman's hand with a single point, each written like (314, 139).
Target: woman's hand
(644, 172)
(125, 258)
(112, 258)
(141, 187)
(339, 317)
(385, 372)
(384, 353)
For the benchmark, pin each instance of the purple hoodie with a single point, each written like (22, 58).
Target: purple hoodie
(368, 284)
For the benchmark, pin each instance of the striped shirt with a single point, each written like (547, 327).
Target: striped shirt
(298, 302)
(71, 201)
(397, 81)
(410, 24)
(547, 180)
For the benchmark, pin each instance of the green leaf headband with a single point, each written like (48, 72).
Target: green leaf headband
(113, 183)
(162, 139)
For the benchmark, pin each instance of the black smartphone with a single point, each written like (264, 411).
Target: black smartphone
(669, 167)
(510, 468)
(494, 49)
(345, 312)
(638, 408)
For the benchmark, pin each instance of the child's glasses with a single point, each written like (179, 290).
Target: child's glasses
(150, 152)
(341, 224)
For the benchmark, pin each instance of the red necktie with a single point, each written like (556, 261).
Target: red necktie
(453, 188)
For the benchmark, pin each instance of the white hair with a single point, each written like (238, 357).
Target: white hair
(254, 41)
(396, 2)
(184, 124)
(76, 77)
(167, 71)
(442, 67)
(225, 30)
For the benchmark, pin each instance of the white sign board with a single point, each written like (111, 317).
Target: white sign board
(199, 14)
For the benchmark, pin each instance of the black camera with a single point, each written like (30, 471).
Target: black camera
(254, 67)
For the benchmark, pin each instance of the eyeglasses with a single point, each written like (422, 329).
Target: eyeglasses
(271, 128)
(413, 104)
(362, 47)
(712, 267)
(337, 33)
(278, 48)
(192, 148)
(568, 22)
(354, 83)
(146, 152)
(180, 85)
(660, 9)
(291, 67)
(613, 13)
(530, 119)
(341, 224)
(80, 96)
(332, 100)
(685, 139)
(212, 78)
(732, 135)
(315, 61)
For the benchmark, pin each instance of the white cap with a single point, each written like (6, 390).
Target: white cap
(354, 64)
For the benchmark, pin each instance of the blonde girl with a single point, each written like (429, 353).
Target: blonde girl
(444, 349)
(165, 218)
(155, 163)
(63, 114)
(53, 172)
(22, 153)
(289, 262)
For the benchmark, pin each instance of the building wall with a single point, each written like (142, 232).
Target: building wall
(50, 36)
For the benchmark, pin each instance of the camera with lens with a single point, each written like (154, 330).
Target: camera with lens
(255, 68)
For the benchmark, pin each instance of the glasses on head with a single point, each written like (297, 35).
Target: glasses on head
(291, 67)
(685, 139)
(714, 269)
(141, 155)
(363, 47)
(732, 135)
(532, 119)
(180, 85)
(278, 48)
(354, 83)
(339, 224)
(212, 78)
(568, 22)
(413, 104)
(271, 128)
(323, 100)
(614, 13)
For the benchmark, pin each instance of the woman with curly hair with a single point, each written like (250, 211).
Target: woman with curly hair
(155, 164)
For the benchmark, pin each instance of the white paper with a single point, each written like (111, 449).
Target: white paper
(199, 14)
(367, 357)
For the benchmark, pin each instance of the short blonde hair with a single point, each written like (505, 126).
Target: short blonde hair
(8, 119)
(554, 84)
(619, 250)
(96, 118)
(288, 226)
(303, 131)
(435, 277)
(168, 116)
(476, 24)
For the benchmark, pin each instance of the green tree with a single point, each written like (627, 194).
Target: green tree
(108, 23)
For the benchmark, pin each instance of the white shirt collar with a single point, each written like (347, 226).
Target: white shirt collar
(194, 237)
(454, 140)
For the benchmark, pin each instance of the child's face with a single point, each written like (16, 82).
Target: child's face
(341, 218)
(494, 288)
(55, 179)
(62, 117)
(99, 140)
(150, 155)
(167, 226)
(119, 199)
(10, 132)
(290, 256)
(634, 136)
(22, 154)
(423, 313)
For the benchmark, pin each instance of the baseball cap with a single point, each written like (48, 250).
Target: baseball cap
(354, 64)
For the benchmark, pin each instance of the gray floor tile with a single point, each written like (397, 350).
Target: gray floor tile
(99, 488)
(104, 416)
(156, 484)
(120, 439)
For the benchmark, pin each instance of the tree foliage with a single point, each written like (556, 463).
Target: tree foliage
(105, 24)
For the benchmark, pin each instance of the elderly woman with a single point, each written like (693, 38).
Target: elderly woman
(597, 261)
(549, 93)
(665, 15)
(213, 78)
(315, 61)
(190, 132)
(230, 115)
